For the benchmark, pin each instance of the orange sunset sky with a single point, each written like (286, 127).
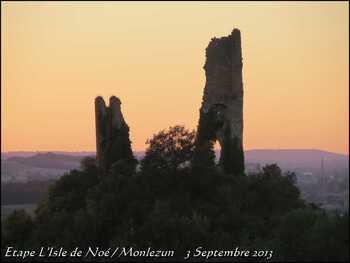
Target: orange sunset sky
(56, 57)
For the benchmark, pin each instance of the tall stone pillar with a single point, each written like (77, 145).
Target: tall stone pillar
(221, 113)
(112, 134)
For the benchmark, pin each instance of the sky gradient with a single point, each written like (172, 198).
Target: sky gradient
(58, 56)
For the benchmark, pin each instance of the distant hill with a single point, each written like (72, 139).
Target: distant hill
(36, 164)
(263, 155)
(303, 159)
(49, 160)
(40, 166)
(297, 156)
(6, 155)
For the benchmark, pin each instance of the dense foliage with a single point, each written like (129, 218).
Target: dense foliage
(169, 149)
(24, 193)
(181, 209)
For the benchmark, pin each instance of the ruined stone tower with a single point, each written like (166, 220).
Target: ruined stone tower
(221, 113)
(113, 145)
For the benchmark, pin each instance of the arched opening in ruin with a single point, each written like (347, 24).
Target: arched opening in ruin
(217, 150)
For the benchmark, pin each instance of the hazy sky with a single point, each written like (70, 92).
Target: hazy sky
(58, 56)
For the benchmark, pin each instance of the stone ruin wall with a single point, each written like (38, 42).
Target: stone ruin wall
(112, 135)
(223, 97)
(221, 112)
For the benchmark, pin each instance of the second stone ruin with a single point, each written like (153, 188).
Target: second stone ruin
(113, 146)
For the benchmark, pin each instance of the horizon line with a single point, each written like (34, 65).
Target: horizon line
(139, 150)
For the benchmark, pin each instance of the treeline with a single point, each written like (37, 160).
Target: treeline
(172, 205)
(31, 192)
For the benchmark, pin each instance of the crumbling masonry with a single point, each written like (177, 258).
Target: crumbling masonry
(113, 147)
(221, 113)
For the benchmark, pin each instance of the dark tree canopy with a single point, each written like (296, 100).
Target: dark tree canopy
(180, 209)
(169, 149)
